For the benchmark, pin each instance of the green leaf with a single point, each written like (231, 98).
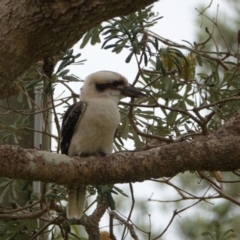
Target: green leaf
(4, 193)
(68, 60)
(158, 64)
(104, 188)
(118, 48)
(5, 182)
(177, 64)
(125, 128)
(137, 140)
(25, 185)
(111, 201)
(161, 67)
(149, 50)
(110, 46)
(199, 60)
(127, 32)
(120, 191)
(85, 40)
(145, 58)
(64, 72)
(99, 198)
(29, 103)
(156, 44)
(108, 39)
(18, 229)
(48, 89)
(136, 31)
(72, 78)
(95, 37)
(135, 46)
(20, 96)
(128, 59)
(32, 83)
(207, 234)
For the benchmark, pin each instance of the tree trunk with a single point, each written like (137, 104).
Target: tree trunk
(32, 30)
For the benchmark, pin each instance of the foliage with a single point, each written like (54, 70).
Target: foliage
(191, 91)
(228, 234)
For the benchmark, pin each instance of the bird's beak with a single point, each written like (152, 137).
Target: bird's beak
(131, 92)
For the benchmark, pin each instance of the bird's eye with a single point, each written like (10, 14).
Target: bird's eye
(115, 84)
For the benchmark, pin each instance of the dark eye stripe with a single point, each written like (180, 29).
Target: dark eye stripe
(101, 87)
(117, 83)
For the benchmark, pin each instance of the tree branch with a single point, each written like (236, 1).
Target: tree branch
(34, 30)
(215, 152)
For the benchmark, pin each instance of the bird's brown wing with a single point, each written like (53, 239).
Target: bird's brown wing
(71, 119)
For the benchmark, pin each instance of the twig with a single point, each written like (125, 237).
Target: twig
(126, 223)
(216, 103)
(131, 210)
(21, 208)
(175, 213)
(21, 216)
(56, 122)
(220, 191)
(54, 221)
(200, 13)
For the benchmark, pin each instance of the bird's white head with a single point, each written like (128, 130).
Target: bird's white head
(107, 84)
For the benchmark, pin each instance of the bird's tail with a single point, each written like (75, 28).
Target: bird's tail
(76, 201)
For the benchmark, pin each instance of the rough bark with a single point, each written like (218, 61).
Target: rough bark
(33, 30)
(216, 152)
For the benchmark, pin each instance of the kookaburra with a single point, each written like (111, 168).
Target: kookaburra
(89, 125)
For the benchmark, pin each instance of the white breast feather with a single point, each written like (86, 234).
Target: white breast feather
(96, 129)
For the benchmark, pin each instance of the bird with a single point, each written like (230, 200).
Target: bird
(89, 126)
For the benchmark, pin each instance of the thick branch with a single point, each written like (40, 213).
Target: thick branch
(216, 152)
(210, 154)
(34, 30)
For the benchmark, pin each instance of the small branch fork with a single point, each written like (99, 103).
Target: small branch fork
(126, 223)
